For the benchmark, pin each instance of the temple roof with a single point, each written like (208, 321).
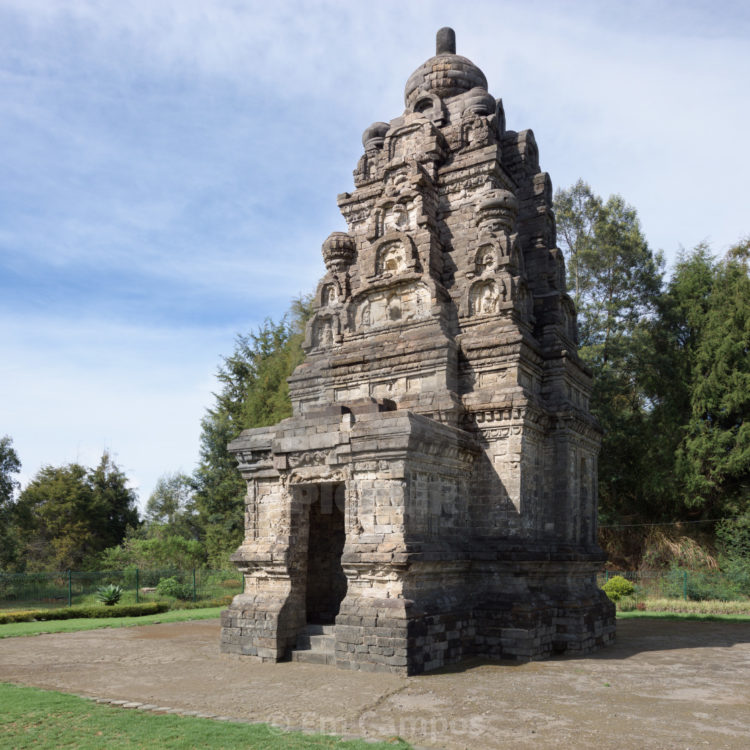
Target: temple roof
(446, 74)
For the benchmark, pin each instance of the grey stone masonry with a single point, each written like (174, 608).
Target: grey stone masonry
(434, 494)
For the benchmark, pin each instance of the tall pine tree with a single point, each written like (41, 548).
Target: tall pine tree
(253, 393)
(616, 280)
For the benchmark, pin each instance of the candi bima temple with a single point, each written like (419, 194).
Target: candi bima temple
(434, 495)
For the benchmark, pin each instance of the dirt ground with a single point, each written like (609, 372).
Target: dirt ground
(663, 685)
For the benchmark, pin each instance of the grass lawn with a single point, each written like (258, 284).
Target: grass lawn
(32, 718)
(12, 629)
(681, 616)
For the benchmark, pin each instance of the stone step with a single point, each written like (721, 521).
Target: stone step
(316, 644)
(325, 643)
(315, 629)
(313, 657)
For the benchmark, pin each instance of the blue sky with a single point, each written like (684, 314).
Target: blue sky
(170, 169)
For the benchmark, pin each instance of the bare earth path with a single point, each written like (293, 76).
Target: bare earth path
(663, 685)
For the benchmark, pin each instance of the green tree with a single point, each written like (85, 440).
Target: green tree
(9, 465)
(714, 456)
(616, 280)
(675, 334)
(67, 515)
(172, 505)
(160, 550)
(253, 393)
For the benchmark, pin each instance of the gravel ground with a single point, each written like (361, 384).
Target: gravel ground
(662, 685)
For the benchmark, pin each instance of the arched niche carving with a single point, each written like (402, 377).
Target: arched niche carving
(325, 331)
(394, 215)
(331, 292)
(395, 254)
(485, 296)
(486, 258)
(430, 106)
(329, 295)
(391, 257)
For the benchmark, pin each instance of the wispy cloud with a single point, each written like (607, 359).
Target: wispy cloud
(170, 170)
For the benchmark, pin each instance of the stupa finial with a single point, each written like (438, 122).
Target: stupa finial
(445, 41)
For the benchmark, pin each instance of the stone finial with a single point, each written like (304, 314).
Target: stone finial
(338, 251)
(374, 136)
(498, 206)
(445, 41)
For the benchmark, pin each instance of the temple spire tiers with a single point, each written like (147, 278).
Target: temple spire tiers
(433, 495)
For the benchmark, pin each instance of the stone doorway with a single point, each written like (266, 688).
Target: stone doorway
(325, 579)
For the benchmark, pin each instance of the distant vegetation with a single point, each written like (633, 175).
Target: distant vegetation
(671, 365)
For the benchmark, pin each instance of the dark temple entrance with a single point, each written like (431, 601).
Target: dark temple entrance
(326, 582)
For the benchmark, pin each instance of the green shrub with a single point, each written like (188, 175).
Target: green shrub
(109, 595)
(617, 587)
(700, 585)
(172, 587)
(70, 613)
(222, 601)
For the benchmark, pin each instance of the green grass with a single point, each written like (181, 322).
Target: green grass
(13, 629)
(682, 616)
(33, 718)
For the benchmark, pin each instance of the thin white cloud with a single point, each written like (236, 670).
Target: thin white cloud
(171, 169)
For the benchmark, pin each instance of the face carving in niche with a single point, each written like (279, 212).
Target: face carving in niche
(485, 260)
(392, 258)
(396, 218)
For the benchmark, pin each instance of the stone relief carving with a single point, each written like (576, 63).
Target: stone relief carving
(485, 296)
(485, 260)
(391, 257)
(409, 302)
(323, 333)
(329, 295)
(476, 132)
(306, 458)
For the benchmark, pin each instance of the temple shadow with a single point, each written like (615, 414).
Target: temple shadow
(634, 637)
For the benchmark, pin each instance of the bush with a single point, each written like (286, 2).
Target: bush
(700, 585)
(222, 601)
(617, 587)
(69, 613)
(172, 587)
(109, 595)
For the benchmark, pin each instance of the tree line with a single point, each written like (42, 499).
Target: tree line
(670, 358)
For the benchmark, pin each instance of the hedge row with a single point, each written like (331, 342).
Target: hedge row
(68, 613)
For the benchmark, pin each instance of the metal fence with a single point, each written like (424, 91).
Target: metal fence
(680, 583)
(73, 587)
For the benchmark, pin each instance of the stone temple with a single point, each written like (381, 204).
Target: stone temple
(434, 495)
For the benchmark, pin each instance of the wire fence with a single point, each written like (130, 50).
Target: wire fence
(75, 587)
(680, 583)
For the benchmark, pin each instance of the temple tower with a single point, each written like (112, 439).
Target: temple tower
(434, 494)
